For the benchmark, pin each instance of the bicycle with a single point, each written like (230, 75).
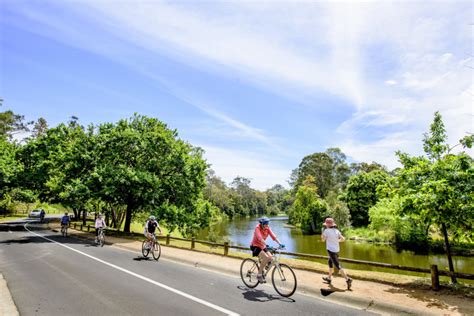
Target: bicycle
(283, 277)
(64, 230)
(101, 237)
(153, 247)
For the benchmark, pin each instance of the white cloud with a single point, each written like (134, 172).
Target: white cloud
(305, 49)
(260, 168)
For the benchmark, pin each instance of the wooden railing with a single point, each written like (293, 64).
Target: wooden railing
(433, 270)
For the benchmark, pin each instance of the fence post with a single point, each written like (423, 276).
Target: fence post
(81, 227)
(226, 248)
(88, 228)
(192, 242)
(434, 277)
(75, 225)
(167, 239)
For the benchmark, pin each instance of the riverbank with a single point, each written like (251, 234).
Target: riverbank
(372, 291)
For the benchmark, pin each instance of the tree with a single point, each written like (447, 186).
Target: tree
(57, 165)
(320, 167)
(341, 171)
(9, 169)
(40, 128)
(308, 208)
(244, 197)
(142, 165)
(439, 190)
(361, 195)
(11, 123)
(338, 210)
(217, 192)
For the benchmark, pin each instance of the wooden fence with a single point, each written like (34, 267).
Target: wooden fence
(433, 269)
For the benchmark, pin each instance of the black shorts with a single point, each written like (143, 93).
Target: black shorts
(256, 250)
(334, 260)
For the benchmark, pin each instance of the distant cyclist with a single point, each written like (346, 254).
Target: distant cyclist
(259, 246)
(42, 213)
(65, 220)
(150, 226)
(99, 223)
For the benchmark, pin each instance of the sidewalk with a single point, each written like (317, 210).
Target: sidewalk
(365, 295)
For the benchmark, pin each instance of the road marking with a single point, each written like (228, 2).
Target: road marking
(166, 287)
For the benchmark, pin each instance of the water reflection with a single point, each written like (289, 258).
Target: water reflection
(240, 231)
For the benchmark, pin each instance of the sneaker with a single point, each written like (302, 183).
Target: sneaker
(327, 279)
(260, 278)
(349, 283)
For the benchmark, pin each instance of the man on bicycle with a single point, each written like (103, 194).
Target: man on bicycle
(259, 247)
(150, 226)
(65, 221)
(99, 224)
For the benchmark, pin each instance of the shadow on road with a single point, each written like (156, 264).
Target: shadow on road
(260, 296)
(141, 259)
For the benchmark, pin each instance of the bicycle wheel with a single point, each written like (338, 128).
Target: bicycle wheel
(284, 280)
(102, 239)
(156, 251)
(145, 251)
(248, 272)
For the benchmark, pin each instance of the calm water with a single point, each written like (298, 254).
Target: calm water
(240, 231)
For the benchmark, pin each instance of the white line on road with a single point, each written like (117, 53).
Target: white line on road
(193, 298)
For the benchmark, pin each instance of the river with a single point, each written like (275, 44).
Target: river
(239, 231)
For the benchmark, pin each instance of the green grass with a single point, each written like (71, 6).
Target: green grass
(11, 217)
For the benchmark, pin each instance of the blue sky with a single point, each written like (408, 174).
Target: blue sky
(257, 84)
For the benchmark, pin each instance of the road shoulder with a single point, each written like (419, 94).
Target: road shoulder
(7, 306)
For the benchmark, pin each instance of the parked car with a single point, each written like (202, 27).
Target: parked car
(36, 213)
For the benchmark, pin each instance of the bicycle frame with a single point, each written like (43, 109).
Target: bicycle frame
(276, 254)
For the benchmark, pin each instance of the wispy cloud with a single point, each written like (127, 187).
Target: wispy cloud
(395, 63)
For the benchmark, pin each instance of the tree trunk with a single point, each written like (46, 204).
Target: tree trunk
(128, 218)
(448, 251)
(84, 217)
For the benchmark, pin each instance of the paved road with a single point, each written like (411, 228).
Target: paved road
(48, 274)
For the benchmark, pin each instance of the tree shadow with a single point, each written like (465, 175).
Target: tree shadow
(260, 296)
(38, 239)
(448, 298)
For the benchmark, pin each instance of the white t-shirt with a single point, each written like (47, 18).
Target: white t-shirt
(332, 236)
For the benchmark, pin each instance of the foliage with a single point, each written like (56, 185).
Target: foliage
(361, 195)
(143, 165)
(11, 123)
(438, 190)
(320, 167)
(308, 208)
(9, 168)
(338, 210)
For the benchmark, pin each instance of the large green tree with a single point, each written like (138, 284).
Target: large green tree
(308, 209)
(320, 167)
(144, 166)
(361, 195)
(439, 189)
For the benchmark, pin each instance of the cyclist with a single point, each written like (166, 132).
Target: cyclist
(42, 213)
(259, 247)
(65, 220)
(99, 223)
(150, 226)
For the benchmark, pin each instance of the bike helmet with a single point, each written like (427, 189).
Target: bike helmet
(152, 217)
(264, 220)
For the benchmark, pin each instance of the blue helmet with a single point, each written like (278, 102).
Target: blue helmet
(264, 220)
